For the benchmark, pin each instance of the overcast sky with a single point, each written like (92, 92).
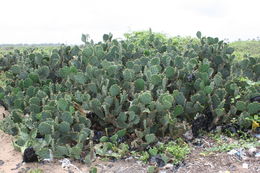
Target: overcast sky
(63, 21)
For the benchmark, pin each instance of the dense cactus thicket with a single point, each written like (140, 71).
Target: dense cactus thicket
(59, 102)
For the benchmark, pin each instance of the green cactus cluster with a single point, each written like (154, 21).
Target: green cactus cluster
(142, 87)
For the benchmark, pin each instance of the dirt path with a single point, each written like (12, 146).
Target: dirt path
(195, 162)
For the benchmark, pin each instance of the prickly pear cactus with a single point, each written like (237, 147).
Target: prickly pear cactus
(144, 86)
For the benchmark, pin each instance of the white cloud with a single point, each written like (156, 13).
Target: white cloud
(44, 21)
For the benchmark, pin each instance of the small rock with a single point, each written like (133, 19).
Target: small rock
(241, 155)
(110, 165)
(24, 170)
(1, 162)
(17, 166)
(113, 159)
(252, 151)
(162, 171)
(139, 162)
(232, 168)
(178, 165)
(168, 166)
(129, 159)
(218, 129)
(65, 163)
(188, 135)
(157, 160)
(197, 142)
(245, 165)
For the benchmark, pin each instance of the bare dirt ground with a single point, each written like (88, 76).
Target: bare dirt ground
(194, 163)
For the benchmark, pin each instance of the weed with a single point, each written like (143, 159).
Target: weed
(222, 146)
(151, 169)
(144, 156)
(36, 171)
(177, 151)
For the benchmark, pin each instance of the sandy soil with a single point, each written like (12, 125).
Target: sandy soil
(218, 163)
(195, 162)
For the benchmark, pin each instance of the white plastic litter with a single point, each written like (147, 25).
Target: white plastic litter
(232, 152)
(245, 165)
(168, 166)
(252, 151)
(50, 159)
(257, 136)
(66, 164)
(239, 153)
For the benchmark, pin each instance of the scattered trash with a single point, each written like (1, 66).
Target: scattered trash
(202, 122)
(255, 99)
(255, 125)
(113, 159)
(197, 142)
(251, 151)
(139, 162)
(129, 159)
(232, 152)
(157, 160)
(110, 165)
(245, 165)
(218, 129)
(97, 136)
(239, 153)
(29, 155)
(257, 154)
(168, 166)
(50, 159)
(230, 128)
(188, 135)
(1, 162)
(177, 166)
(66, 164)
(121, 139)
(257, 136)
